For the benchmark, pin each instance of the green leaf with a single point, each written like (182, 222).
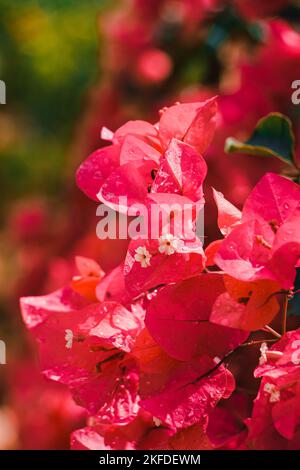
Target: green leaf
(272, 137)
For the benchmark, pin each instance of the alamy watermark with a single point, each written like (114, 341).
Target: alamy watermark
(150, 221)
(296, 94)
(2, 343)
(2, 352)
(2, 92)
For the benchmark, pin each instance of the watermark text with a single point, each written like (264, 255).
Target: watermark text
(2, 352)
(139, 221)
(2, 92)
(296, 94)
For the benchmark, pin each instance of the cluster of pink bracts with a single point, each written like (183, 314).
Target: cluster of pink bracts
(155, 349)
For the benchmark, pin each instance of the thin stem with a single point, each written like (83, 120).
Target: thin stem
(213, 272)
(252, 343)
(229, 355)
(284, 314)
(270, 330)
(246, 390)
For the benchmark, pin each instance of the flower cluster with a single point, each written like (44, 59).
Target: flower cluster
(276, 414)
(152, 53)
(151, 349)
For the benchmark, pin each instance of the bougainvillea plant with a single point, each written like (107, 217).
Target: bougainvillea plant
(180, 347)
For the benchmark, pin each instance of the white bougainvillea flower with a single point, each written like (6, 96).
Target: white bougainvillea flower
(263, 356)
(169, 244)
(157, 421)
(142, 256)
(273, 391)
(69, 336)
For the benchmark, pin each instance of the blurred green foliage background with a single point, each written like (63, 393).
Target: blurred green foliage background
(48, 58)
